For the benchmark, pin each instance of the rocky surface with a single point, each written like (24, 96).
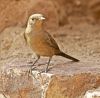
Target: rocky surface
(75, 27)
(18, 84)
(65, 79)
(93, 93)
(72, 86)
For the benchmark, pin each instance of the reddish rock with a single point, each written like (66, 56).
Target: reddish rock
(94, 7)
(57, 12)
(71, 86)
(16, 12)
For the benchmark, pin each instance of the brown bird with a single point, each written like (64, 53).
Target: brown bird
(40, 41)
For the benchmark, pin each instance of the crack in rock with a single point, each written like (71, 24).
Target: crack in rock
(43, 80)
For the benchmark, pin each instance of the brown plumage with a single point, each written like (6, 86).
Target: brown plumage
(40, 41)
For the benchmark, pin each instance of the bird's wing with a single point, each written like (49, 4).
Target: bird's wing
(50, 40)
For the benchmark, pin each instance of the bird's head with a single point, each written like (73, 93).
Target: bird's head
(35, 18)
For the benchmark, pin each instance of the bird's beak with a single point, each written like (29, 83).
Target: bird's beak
(42, 18)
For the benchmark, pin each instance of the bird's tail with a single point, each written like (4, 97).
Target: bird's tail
(67, 56)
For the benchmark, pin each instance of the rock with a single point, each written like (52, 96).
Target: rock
(2, 95)
(71, 86)
(94, 7)
(93, 93)
(15, 84)
(65, 79)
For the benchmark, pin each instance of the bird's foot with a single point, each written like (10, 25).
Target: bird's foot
(30, 71)
(48, 68)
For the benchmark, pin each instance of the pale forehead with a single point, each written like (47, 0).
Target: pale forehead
(36, 16)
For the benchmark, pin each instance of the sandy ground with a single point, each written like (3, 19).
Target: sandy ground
(78, 40)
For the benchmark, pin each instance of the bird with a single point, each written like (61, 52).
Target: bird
(40, 41)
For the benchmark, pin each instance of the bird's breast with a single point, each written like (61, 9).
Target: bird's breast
(40, 46)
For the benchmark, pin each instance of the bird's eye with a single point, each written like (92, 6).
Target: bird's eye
(32, 18)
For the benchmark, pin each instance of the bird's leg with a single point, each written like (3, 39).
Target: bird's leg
(30, 70)
(38, 57)
(46, 70)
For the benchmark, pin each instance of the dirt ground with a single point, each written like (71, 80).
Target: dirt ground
(78, 40)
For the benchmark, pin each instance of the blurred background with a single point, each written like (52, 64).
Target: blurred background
(58, 12)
